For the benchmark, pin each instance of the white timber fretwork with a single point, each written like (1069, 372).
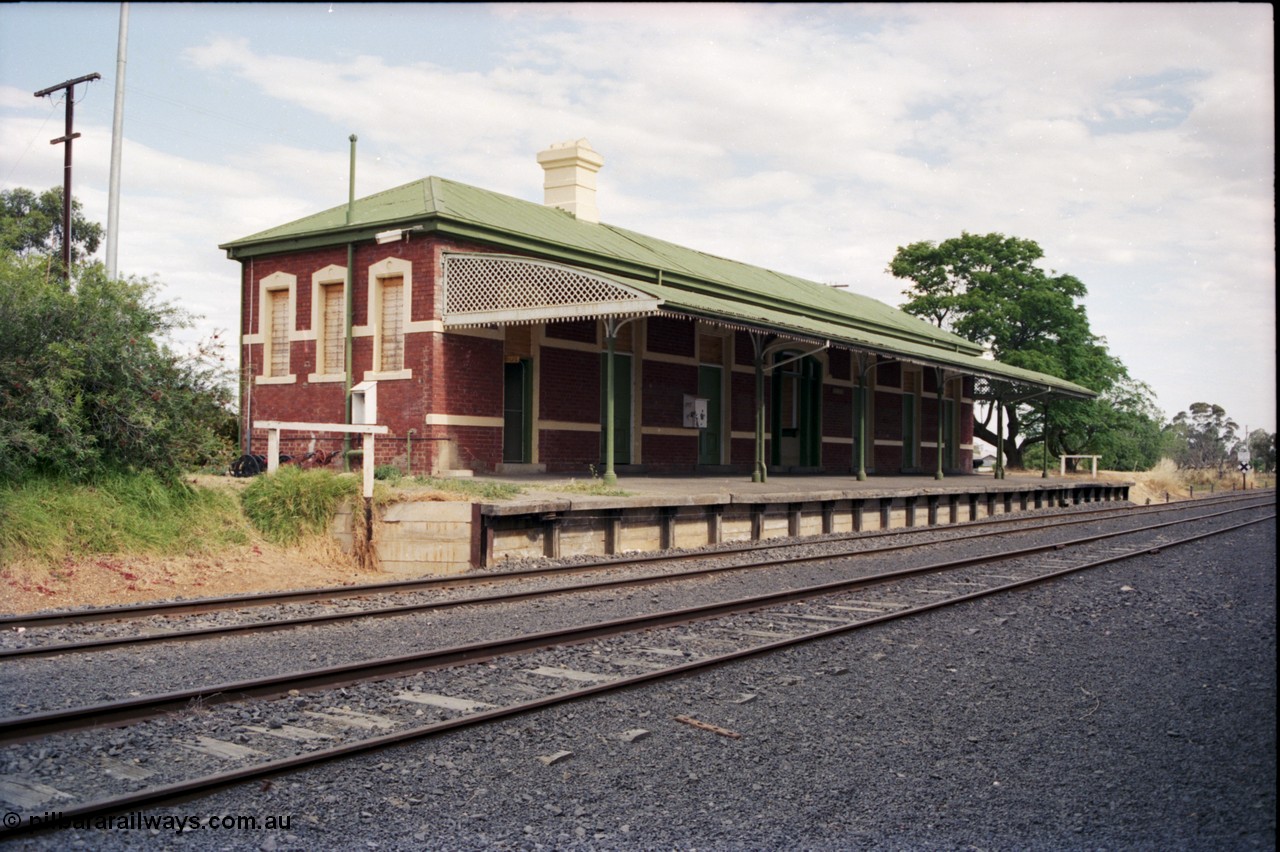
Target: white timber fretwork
(484, 289)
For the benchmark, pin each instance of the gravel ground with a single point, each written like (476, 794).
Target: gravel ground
(1132, 707)
(111, 674)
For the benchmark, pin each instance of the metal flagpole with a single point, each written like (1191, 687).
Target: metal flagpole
(117, 142)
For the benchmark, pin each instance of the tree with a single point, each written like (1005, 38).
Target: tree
(1123, 425)
(1262, 450)
(1203, 437)
(32, 224)
(89, 386)
(990, 290)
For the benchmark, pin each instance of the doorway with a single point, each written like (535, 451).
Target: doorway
(710, 388)
(517, 411)
(797, 410)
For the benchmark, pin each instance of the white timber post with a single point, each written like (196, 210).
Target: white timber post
(273, 450)
(368, 464)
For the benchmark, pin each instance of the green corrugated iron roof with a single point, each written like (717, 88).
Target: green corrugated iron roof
(686, 279)
(842, 335)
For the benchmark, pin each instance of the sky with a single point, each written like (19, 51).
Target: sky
(1134, 143)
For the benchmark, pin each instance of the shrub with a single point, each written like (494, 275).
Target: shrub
(90, 389)
(292, 503)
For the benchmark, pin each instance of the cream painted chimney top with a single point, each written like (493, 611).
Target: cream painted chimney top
(570, 179)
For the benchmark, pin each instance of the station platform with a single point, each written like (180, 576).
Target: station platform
(702, 489)
(555, 516)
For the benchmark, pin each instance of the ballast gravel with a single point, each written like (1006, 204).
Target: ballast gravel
(162, 667)
(1128, 707)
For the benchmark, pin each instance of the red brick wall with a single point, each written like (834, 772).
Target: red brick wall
(837, 413)
(929, 417)
(562, 450)
(569, 385)
(671, 336)
(837, 457)
(888, 416)
(664, 388)
(471, 382)
(582, 331)
(670, 453)
(479, 448)
(743, 402)
(742, 452)
(888, 459)
(401, 402)
(838, 364)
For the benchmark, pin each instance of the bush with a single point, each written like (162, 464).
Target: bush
(89, 389)
(292, 503)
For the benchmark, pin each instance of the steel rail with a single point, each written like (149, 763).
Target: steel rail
(26, 727)
(205, 605)
(191, 788)
(89, 645)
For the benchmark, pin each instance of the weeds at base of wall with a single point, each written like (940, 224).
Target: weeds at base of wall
(364, 549)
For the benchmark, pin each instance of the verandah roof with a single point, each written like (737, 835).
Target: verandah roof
(680, 280)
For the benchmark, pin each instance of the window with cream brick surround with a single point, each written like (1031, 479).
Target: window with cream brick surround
(329, 323)
(276, 327)
(390, 333)
(390, 301)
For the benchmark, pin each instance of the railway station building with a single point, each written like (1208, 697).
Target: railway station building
(491, 334)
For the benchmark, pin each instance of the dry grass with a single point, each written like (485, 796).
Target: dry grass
(1165, 482)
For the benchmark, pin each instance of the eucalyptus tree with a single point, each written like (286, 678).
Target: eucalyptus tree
(31, 224)
(992, 290)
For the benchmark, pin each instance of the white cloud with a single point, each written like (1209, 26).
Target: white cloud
(1135, 143)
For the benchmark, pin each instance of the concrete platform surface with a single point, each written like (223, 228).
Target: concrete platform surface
(547, 492)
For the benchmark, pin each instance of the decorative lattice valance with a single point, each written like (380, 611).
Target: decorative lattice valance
(489, 289)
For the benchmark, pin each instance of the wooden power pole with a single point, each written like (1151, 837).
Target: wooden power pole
(69, 85)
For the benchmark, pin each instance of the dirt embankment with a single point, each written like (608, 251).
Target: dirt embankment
(111, 580)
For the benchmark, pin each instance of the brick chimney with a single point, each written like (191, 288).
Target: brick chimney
(570, 180)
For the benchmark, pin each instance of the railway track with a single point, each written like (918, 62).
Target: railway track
(181, 744)
(25, 635)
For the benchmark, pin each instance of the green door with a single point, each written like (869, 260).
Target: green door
(517, 411)
(797, 411)
(709, 388)
(621, 407)
(811, 404)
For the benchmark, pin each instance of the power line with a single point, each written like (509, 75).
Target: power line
(32, 141)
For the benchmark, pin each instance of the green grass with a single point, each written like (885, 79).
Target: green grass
(49, 520)
(592, 487)
(293, 504)
(469, 488)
